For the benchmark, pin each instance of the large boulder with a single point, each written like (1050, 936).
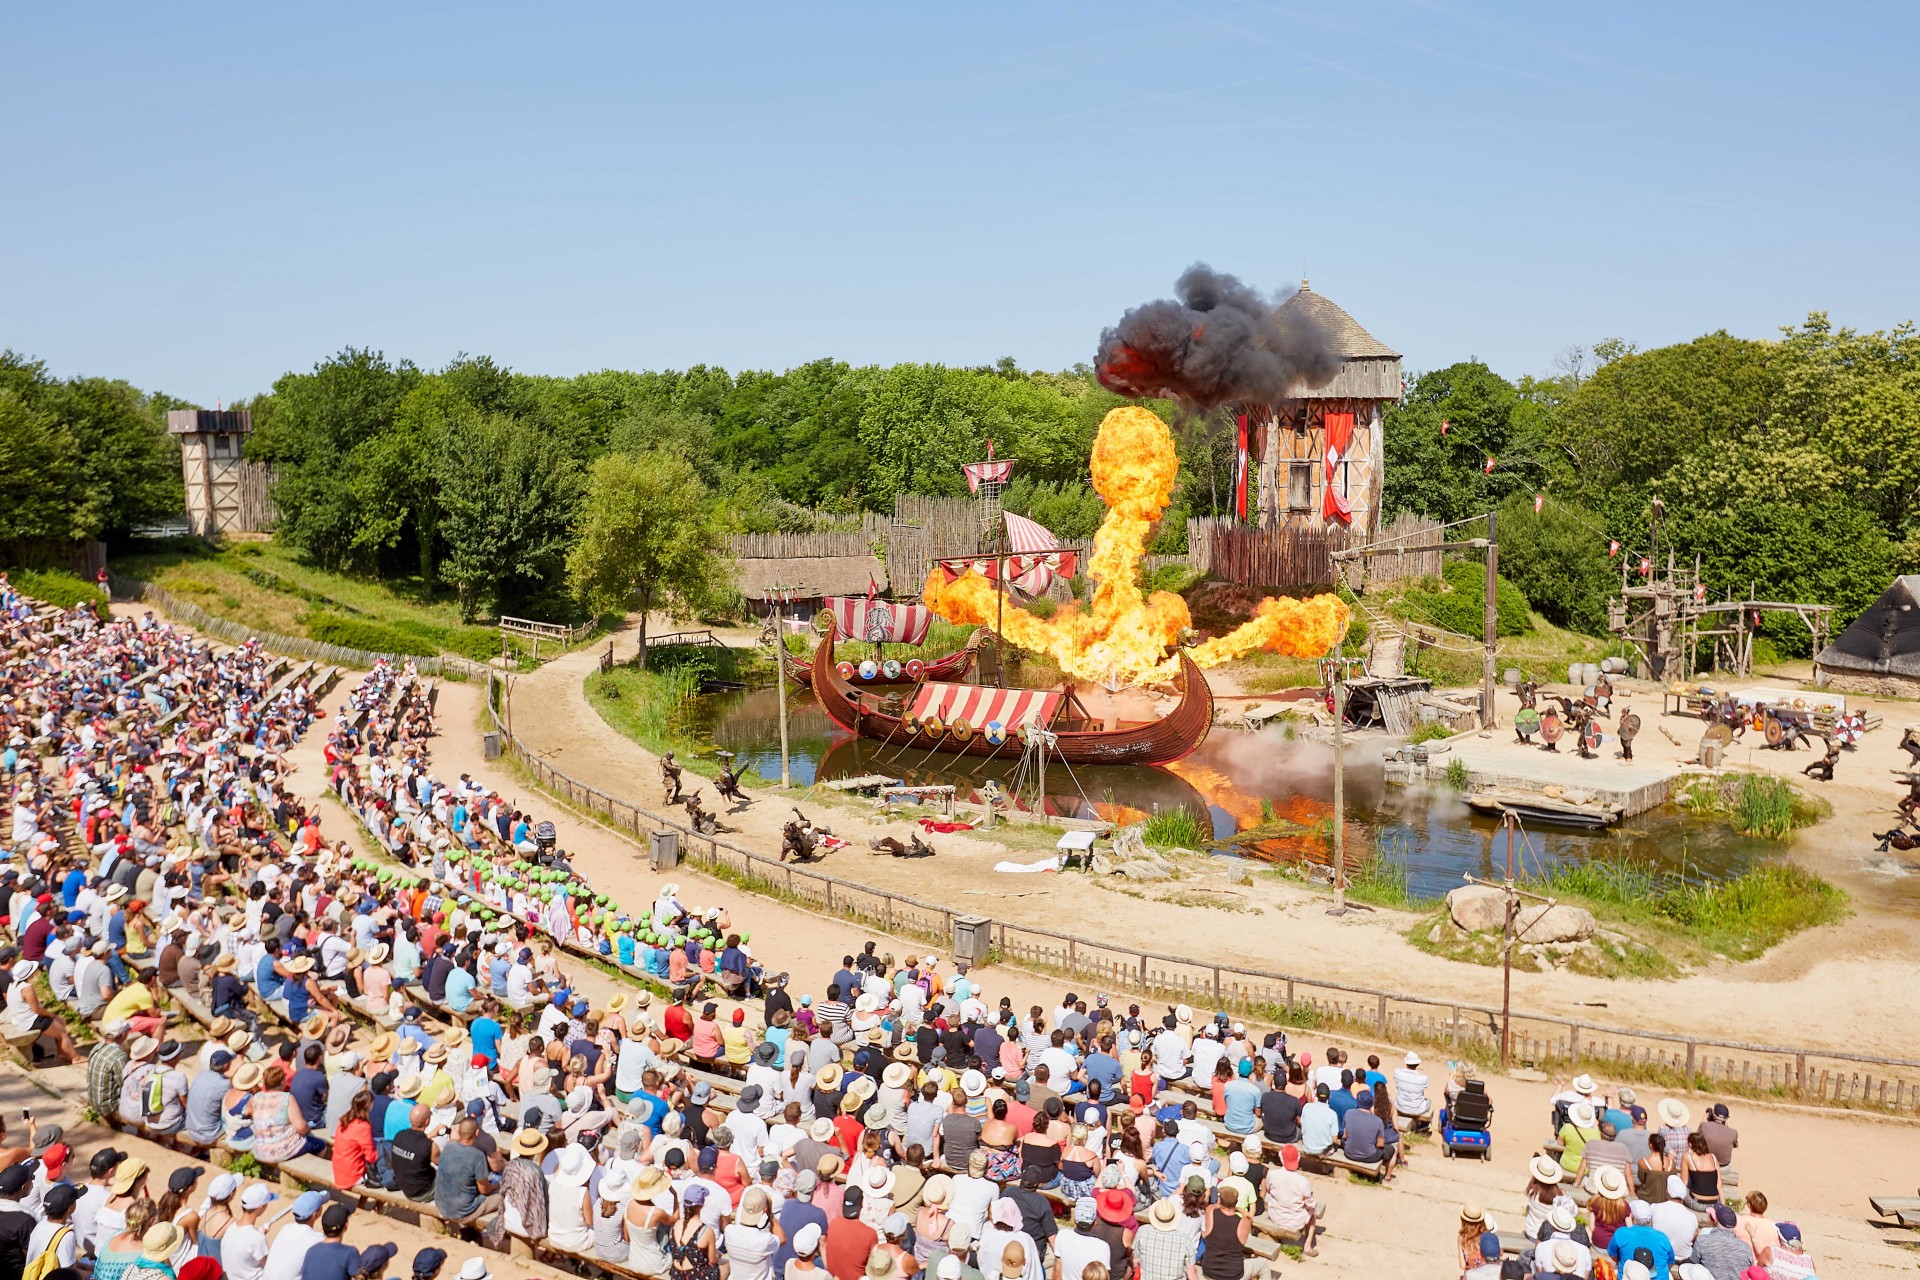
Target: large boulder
(1556, 923)
(1477, 908)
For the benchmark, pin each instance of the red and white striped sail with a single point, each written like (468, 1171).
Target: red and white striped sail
(880, 621)
(1034, 558)
(980, 705)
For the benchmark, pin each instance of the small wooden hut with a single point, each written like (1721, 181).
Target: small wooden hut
(1295, 473)
(226, 493)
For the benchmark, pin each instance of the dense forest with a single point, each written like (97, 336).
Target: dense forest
(1789, 464)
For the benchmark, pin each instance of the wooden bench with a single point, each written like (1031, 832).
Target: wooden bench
(1902, 1209)
(316, 1174)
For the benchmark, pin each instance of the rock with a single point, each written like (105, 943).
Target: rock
(1558, 923)
(1477, 907)
(1142, 869)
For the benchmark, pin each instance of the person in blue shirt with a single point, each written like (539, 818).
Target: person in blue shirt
(460, 985)
(655, 1107)
(1342, 1099)
(268, 977)
(486, 1034)
(497, 969)
(410, 1029)
(1103, 1066)
(1641, 1234)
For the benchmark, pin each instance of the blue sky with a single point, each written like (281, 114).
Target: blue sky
(200, 197)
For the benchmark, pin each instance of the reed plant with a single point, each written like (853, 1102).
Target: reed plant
(1177, 828)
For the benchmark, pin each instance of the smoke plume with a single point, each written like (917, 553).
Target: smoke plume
(1219, 341)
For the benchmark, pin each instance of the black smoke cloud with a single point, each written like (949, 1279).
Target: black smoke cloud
(1217, 341)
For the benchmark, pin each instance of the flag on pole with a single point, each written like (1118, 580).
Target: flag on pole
(1240, 468)
(1646, 567)
(1488, 467)
(1339, 434)
(1613, 548)
(1539, 501)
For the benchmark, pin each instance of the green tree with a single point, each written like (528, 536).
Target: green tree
(125, 469)
(1558, 558)
(649, 537)
(1442, 473)
(508, 493)
(41, 498)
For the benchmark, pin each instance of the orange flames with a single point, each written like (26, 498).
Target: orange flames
(1123, 637)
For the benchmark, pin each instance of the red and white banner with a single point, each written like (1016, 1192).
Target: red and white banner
(1339, 436)
(880, 621)
(1240, 469)
(1031, 538)
(988, 472)
(980, 705)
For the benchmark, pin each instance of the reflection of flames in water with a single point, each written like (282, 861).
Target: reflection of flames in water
(1313, 843)
(1123, 636)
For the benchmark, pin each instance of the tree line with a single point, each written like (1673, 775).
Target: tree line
(1789, 468)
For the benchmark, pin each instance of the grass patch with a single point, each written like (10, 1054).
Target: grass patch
(1738, 918)
(1456, 775)
(1382, 881)
(1432, 731)
(1176, 828)
(266, 585)
(58, 588)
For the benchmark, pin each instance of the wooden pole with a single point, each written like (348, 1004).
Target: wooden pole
(780, 681)
(1491, 621)
(1339, 779)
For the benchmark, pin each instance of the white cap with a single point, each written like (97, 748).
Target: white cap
(475, 1269)
(257, 1196)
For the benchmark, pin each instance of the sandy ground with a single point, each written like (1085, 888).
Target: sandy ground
(1818, 1168)
(1848, 987)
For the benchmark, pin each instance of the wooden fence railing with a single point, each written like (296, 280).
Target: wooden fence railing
(1801, 1073)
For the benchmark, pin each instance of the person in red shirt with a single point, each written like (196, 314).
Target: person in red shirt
(353, 1152)
(679, 1022)
(847, 1130)
(849, 1240)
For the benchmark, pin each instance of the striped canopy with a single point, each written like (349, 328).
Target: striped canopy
(980, 705)
(887, 621)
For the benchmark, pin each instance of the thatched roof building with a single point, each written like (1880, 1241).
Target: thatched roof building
(1880, 651)
(810, 577)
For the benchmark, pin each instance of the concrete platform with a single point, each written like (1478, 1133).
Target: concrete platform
(1495, 759)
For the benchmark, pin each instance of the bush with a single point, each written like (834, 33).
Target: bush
(1458, 602)
(1177, 828)
(57, 588)
(374, 637)
(1042, 606)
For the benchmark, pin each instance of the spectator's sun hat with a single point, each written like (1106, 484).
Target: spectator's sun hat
(1567, 1256)
(1413, 1059)
(1584, 1086)
(1560, 1217)
(1164, 1214)
(1674, 1113)
(527, 1140)
(161, 1240)
(896, 1075)
(1546, 1169)
(937, 1191)
(1581, 1113)
(1114, 1205)
(1610, 1182)
(1472, 1214)
(972, 1083)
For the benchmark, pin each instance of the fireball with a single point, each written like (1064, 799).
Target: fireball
(1123, 637)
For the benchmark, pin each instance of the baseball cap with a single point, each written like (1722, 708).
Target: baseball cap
(428, 1261)
(309, 1203)
(257, 1196)
(335, 1218)
(16, 1178)
(59, 1198)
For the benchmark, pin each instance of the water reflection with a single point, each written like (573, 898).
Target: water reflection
(1267, 782)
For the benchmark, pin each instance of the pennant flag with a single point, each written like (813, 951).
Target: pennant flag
(1646, 567)
(1700, 593)
(1488, 468)
(1613, 548)
(1445, 426)
(1539, 501)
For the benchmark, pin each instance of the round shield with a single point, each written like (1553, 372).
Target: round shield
(960, 729)
(869, 669)
(1592, 737)
(1776, 732)
(915, 668)
(1629, 724)
(996, 732)
(932, 727)
(1720, 733)
(1550, 726)
(1526, 720)
(910, 722)
(891, 668)
(845, 669)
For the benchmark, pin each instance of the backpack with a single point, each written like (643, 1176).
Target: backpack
(153, 1095)
(49, 1259)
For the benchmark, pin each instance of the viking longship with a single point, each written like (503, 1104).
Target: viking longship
(980, 720)
(881, 623)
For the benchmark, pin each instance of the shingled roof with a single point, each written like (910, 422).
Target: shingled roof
(1352, 341)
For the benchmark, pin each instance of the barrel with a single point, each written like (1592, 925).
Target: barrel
(1511, 677)
(1614, 666)
(1589, 673)
(1576, 673)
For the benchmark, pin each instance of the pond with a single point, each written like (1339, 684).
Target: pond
(1270, 781)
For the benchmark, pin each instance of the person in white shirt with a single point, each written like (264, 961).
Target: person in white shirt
(243, 1249)
(1170, 1054)
(1672, 1219)
(1410, 1088)
(1207, 1050)
(290, 1247)
(56, 1224)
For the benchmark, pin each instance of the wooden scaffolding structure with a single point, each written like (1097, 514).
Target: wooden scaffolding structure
(1674, 631)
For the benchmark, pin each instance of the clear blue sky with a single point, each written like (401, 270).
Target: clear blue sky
(200, 197)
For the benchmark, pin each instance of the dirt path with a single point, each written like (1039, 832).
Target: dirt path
(1849, 987)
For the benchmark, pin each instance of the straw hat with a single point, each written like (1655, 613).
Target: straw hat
(828, 1077)
(300, 964)
(436, 1053)
(821, 1130)
(905, 1053)
(1560, 1217)
(1472, 1214)
(1674, 1113)
(618, 1003)
(240, 1041)
(879, 1180)
(1567, 1256)
(129, 1173)
(972, 1083)
(1581, 1113)
(1610, 1182)
(1164, 1213)
(1546, 1169)
(339, 1036)
(159, 1243)
(896, 1075)
(220, 1028)
(937, 1190)
(1584, 1086)
(142, 1048)
(355, 957)
(314, 1027)
(379, 953)
(382, 1047)
(649, 1182)
(527, 1141)
(409, 1086)
(226, 962)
